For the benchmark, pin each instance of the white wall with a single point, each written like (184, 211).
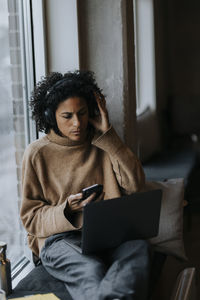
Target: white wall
(104, 50)
(101, 39)
(62, 35)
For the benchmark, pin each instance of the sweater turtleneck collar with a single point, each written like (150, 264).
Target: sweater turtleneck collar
(65, 141)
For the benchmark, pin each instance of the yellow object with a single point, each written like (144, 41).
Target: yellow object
(49, 296)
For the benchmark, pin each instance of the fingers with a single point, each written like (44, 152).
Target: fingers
(73, 199)
(74, 202)
(88, 199)
(102, 122)
(101, 102)
(91, 198)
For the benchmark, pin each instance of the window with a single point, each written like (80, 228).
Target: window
(23, 61)
(15, 126)
(12, 130)
(145, 56)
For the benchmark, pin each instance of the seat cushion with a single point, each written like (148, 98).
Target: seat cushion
(171, 164)
(39, 281)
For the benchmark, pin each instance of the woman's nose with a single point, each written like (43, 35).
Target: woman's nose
(76, 120)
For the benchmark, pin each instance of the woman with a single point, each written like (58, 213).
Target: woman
(80, 149)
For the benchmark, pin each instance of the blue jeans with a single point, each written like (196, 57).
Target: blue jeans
(117, 273)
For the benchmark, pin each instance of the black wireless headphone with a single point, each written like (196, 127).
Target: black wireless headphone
(49, 116)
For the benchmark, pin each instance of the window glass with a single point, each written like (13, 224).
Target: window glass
(145, 56)
(12, 133)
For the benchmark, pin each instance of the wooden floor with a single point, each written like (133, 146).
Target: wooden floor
(173, 267)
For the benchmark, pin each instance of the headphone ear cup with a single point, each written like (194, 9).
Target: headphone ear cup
(49, 116)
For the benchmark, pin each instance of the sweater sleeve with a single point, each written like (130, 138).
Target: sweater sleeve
(126, 165)
(39, 218)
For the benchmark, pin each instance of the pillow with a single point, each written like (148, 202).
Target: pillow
(170, 236)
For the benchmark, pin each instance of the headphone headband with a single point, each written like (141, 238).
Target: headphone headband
(55, 85)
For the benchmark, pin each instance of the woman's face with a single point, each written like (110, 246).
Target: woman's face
(72, 118)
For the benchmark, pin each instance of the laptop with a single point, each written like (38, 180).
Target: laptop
(109, 223)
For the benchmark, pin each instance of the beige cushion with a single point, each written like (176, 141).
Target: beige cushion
(170, 236)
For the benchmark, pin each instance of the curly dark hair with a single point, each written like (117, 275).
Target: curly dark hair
(57, 87)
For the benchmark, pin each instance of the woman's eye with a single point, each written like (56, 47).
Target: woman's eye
(67, 116)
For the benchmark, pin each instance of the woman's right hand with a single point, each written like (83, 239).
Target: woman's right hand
(76, 204)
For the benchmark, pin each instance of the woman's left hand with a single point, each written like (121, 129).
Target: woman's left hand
(102, 122)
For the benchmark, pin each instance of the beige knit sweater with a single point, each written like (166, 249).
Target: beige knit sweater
(55, 167)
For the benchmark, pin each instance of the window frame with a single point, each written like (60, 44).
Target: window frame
(32, 39)
(27, 61)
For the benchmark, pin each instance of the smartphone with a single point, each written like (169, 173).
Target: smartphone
(96, 188)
